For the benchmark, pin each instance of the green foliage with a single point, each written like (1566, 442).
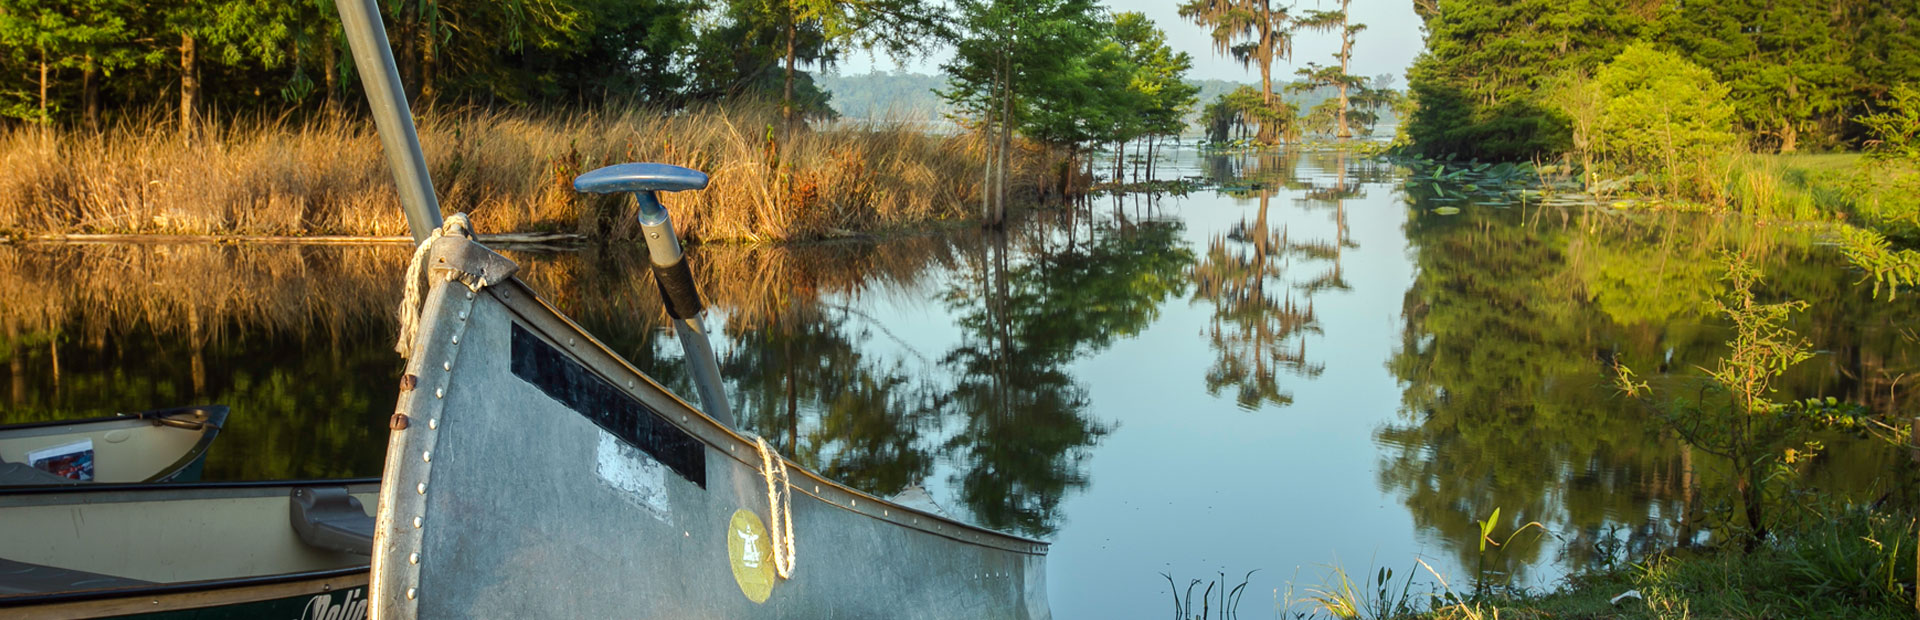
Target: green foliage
(1851, 555)
(1736, 416)
(1895, 128)
(1256, 33)
(1837, 562)
(1795, 70)
(1658, 110)
(1886, 267)
(1784, 62)
(1478, 85)
(1341, 598)
(1162, 98)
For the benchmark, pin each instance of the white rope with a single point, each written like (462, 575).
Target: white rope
(416, 282)
(779, 508)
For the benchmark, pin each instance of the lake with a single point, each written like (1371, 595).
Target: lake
(1307, 362)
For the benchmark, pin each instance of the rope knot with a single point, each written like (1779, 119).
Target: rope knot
(416, 283)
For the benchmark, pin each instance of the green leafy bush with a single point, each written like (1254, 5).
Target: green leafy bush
(1659, 111)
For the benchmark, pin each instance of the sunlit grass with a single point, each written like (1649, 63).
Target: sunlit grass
(511, 171)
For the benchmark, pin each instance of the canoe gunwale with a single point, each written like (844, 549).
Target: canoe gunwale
(184, 587)
(174, 487)
(118, 417)
(546, 321)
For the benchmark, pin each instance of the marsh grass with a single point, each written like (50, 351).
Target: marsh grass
(511, 171)
(1218, 597)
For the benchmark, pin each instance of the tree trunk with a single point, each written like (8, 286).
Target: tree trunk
(407, 25)
(331, 62)
(1006, 143)
(189, 84)
(1346, 55)
(43, 86)
(90, 94)
(1066, 173)
(428, 64)
(786, 94)
(1265, 51)
(1750, 490)
(1789, 137)
(986, 168)
(1153, 152)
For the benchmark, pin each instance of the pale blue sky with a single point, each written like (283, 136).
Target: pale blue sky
(1388, 45)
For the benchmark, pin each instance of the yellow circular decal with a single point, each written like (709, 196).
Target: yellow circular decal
(751, 555)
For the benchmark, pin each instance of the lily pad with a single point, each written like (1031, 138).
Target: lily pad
(1446, 210)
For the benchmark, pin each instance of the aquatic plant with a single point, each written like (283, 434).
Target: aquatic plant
(1340, 597)
(1735, 416)
(1487, 525)
(1216, 592)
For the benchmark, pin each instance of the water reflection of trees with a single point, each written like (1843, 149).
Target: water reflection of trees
(1252, 274)
(1510, 329)
(274, 332)
(1001, 409)
(1025, 431)
(298, 341)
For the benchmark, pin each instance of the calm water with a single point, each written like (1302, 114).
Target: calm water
(1298, 368)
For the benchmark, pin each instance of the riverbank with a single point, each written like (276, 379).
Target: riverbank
(511, 171)
(1854, 562)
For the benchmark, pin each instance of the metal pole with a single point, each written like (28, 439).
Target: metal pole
(663, 250)
(374, 57)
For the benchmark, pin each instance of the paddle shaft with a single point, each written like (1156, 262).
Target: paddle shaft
(678, 291)
(374, 57)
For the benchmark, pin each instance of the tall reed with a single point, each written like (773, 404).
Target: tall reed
(511, 170)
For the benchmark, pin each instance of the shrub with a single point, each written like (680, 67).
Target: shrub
(1659, 111)
(1896, 126)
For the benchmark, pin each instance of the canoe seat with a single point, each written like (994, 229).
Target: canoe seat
(28, 578)
(329, 518)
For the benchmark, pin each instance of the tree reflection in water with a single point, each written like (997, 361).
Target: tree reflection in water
(1252, 273)
(1026, 431)
(1514, 320)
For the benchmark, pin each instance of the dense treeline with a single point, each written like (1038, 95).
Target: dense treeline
(84, 62)
(1795, 71)
(94, 61)
(1058, 75)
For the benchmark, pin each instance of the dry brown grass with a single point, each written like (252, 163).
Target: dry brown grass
(511, 171)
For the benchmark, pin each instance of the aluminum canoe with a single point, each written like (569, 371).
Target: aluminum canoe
(165, 445)
(533, 473)
(285, 550)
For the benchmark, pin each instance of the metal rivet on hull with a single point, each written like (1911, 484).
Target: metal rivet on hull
(416, 523)
(413, 558)
(410, 593)
(422, 488)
